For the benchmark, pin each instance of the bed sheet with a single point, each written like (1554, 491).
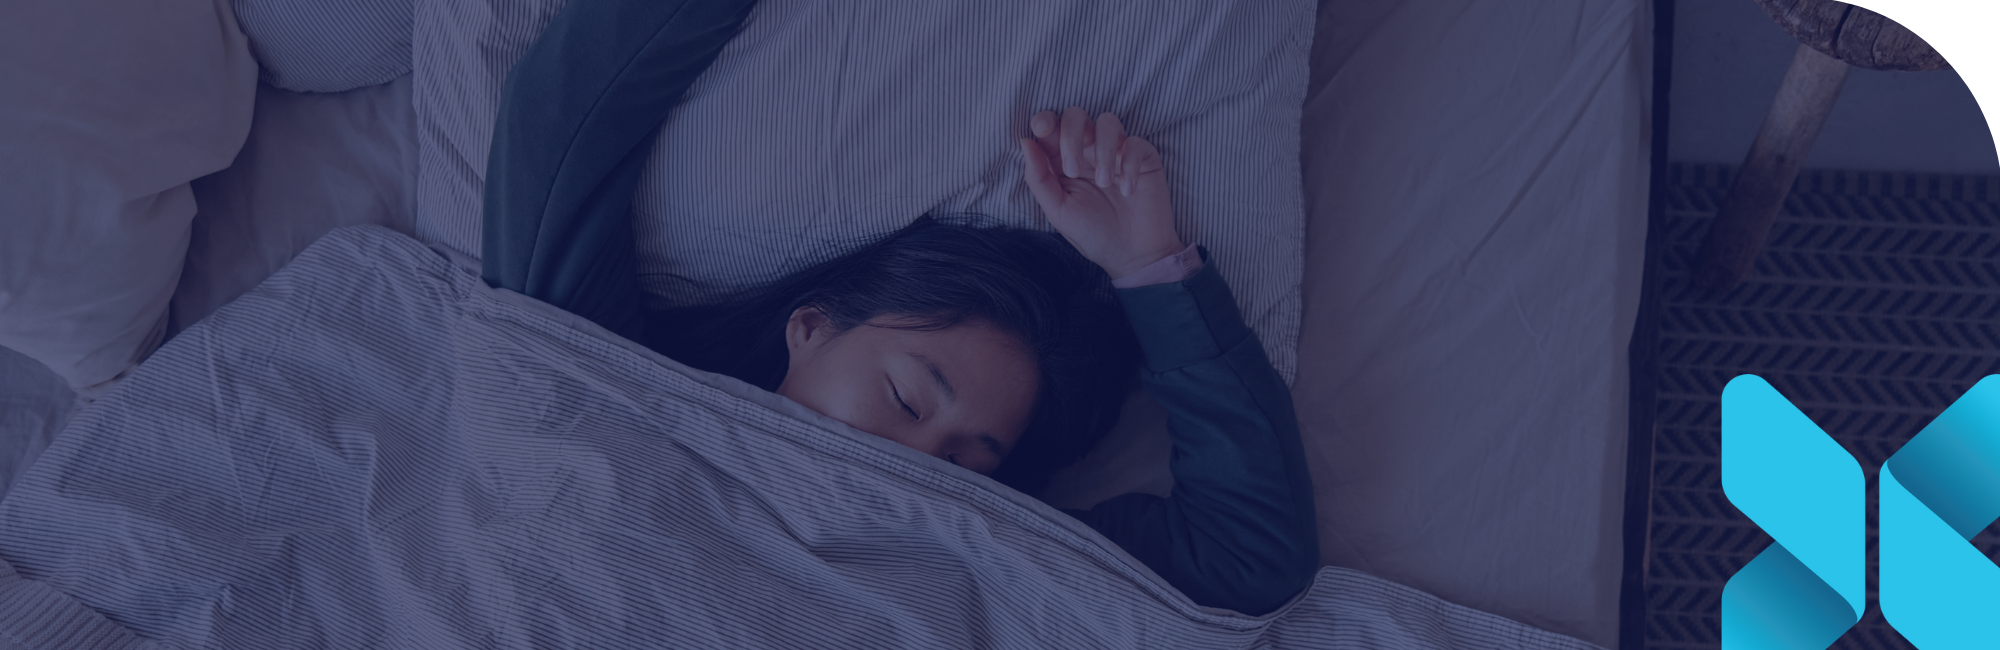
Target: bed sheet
(1476, 189)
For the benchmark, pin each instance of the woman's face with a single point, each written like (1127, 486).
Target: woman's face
(962, 393)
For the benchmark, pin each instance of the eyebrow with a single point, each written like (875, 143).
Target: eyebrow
(943, 384)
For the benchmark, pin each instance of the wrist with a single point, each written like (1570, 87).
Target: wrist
(1133, 263)
(1172, 266)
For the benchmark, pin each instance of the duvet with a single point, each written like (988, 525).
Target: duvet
(375, 449)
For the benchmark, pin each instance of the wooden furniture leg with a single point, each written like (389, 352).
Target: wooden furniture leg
(1743, 221)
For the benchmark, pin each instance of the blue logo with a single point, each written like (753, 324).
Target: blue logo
(1801, 487)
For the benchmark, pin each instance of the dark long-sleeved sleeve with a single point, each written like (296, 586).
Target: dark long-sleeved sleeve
(576, 123)
(1238, 531)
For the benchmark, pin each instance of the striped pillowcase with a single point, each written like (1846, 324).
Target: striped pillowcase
(827, 122)
(325, 47)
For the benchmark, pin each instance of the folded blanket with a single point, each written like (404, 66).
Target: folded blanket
(374, 449)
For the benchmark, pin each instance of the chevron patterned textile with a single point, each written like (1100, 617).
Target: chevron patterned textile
(1875, 305)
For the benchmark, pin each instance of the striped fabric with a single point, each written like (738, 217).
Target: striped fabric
(326, 47)
(827, 122)
(374, 449)
(36, 616)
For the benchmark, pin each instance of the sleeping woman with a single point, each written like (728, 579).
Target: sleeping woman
(1005, 351)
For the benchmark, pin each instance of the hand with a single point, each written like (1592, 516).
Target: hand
(1108, 197)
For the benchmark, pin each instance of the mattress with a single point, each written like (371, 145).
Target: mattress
(1474, 188)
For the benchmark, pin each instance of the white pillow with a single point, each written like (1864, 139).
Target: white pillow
(829, 121)
(114, 106)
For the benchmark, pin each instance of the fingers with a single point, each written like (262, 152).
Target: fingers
(1101, 150)
(1041, 180)
(1075, 136)
(1135, 157)
(1110, 137)
(1043, 125)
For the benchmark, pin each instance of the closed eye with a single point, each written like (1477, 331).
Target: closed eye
(901, 403)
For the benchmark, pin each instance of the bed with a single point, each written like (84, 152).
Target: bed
(1464, 262)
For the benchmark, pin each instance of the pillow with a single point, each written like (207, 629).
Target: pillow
(330, 45)
(314, 162)
(126, 102)
(826, 122)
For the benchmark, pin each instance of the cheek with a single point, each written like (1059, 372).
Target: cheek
(813, 386)
(836, 389)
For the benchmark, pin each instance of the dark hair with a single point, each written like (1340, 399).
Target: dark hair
(937, 274)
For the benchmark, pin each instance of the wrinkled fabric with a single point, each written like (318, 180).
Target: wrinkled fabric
(375, 449)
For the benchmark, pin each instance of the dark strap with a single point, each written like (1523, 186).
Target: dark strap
(578, 116)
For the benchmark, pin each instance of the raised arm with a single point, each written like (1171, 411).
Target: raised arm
(1238, 531)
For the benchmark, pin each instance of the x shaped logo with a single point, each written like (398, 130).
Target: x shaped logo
(1801, 487)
